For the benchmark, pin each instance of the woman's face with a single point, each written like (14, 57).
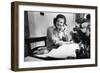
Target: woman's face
(85, 28)
(60, 23)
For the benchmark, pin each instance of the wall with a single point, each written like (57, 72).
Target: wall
(5, 37)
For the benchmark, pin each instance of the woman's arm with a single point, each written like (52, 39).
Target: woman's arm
(55, 40)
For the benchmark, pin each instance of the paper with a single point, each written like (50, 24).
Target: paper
(63, 51)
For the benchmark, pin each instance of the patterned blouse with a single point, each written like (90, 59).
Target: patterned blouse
(55, 37)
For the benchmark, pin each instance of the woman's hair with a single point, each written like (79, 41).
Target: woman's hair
(88, 16)
(59, 16)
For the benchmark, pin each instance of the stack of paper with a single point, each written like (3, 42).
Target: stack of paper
(63, 51)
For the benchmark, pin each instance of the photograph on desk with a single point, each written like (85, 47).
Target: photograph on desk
(52, 36)
(56, 36)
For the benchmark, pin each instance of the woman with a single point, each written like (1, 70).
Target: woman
(84, 34)
(57, 35)
(58, 43)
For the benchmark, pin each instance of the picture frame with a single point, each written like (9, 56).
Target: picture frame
(23, 15)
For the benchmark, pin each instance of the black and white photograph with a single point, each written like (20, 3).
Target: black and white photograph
(56, 36)
(53, 36)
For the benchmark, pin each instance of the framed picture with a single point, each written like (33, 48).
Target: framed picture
(52, 36)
